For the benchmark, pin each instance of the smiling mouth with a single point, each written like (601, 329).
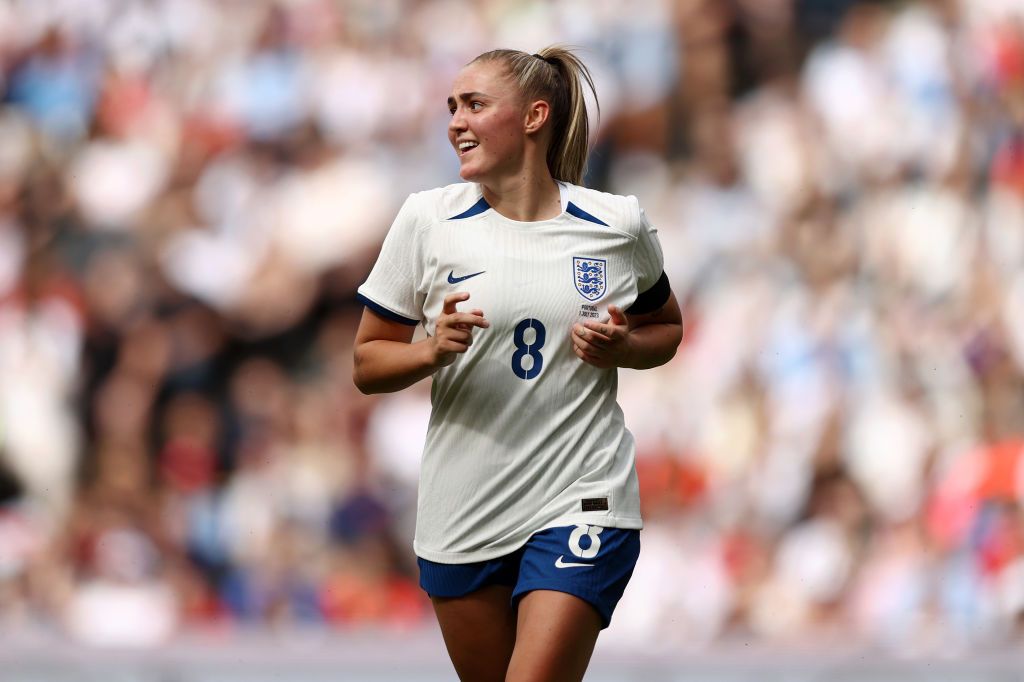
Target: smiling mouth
(466, 147)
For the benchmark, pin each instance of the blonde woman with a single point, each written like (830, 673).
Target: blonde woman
(532, 290)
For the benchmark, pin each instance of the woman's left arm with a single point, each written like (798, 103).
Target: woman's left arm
(635, 341)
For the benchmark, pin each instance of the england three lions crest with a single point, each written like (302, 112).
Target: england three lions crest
(590, 275)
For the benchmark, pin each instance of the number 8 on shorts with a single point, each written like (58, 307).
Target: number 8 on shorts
(592, 533)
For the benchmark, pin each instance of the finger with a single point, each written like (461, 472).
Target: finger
(607, 327)
(585, 346)
(580, 353)
(466, 320)
(456, 347)
(453, 349)
(479, 313)
(588, 358)
(451, 299)
(457, 334)
(451, 345)
(599, 331)
(616, 315)
(458, 319)
(590, 335)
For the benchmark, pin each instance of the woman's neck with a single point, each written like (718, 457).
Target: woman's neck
(527, 198)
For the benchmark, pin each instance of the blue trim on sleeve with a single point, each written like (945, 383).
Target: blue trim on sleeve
(384, 312)
(573, 209)
(476, 209)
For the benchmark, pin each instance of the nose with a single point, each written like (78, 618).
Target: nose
(457, 123)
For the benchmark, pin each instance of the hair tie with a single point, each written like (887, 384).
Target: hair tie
(543, 59)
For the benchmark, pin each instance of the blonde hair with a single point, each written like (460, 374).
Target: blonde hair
(557, 76)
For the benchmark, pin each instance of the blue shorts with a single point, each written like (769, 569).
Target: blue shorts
(590, 562)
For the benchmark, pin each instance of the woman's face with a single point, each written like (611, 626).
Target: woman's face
(487, 126)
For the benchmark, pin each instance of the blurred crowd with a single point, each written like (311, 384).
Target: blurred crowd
(192, 190)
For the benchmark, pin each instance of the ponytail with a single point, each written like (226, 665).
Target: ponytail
(556, 75)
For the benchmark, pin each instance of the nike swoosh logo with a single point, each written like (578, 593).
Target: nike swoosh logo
(452, 279)
(566, 564)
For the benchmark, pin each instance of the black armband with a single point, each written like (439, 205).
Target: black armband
(653, 298)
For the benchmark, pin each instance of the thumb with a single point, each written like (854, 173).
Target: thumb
(616, 316)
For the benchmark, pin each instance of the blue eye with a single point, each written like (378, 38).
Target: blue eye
(476, 106)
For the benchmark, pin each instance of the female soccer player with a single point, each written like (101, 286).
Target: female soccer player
(528, 515)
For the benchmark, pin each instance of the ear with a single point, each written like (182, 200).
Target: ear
(537, 113)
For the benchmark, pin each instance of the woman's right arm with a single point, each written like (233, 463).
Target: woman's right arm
(386, 360)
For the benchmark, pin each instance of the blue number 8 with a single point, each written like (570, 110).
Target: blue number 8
(524, 349)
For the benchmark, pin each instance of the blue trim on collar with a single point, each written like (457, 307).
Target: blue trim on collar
(573, 209)
(384, 312)
(476, 209)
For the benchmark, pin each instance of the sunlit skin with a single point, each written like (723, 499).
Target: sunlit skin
(510, 159)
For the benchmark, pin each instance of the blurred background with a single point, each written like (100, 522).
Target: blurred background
(192, 190)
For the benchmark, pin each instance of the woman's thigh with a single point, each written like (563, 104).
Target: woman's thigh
(479, 632)
(555, 637)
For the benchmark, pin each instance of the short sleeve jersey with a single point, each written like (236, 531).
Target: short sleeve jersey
(523, 435)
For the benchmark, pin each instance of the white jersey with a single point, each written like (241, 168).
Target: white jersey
(523, 434)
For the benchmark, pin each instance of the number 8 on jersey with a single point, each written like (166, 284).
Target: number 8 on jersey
(523, 368)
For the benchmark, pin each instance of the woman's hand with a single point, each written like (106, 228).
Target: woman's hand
(453, 333)
(602, 344)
